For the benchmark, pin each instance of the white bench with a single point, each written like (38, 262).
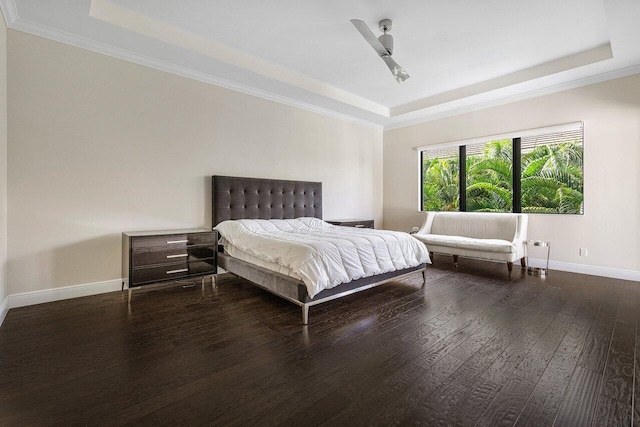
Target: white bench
(489, 236)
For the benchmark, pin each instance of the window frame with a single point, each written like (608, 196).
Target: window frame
(516, 139)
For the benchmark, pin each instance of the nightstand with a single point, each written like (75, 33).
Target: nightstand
(357, 223)
(150, 257)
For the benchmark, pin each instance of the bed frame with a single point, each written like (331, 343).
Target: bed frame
(257, 198)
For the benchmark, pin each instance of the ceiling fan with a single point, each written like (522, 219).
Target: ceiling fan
(383, 46)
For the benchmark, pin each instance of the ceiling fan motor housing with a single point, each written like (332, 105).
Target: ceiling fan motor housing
(387, 42)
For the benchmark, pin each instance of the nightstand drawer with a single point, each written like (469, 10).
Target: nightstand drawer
(147, 258)
(172, 271)
(174, 241)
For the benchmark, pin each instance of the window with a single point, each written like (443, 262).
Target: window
(533, 171)
(440, 180)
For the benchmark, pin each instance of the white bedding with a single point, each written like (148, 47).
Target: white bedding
(320, 254)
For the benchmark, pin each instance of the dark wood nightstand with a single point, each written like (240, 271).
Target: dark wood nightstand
(357, 223)
(150, 257)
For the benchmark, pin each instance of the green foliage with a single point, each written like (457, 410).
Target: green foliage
(490, 178)
(440, 184)
(551, 179)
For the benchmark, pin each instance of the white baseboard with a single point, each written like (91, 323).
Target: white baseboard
(4, 309)
(592, 270)
(66, 292)
(56, 294)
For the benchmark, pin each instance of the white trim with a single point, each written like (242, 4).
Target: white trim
(126, 55)
(415, 117)
(4, 309)
(507, 135)
(455, 111)
(65, 292)
(10, 11)
(591, 270)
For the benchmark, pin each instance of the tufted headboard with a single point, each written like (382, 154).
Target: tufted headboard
(257, 198)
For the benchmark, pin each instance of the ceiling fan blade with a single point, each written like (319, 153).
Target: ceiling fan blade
(398, 72)
(369, 37)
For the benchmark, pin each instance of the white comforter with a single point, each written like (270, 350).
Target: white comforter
(321, 254)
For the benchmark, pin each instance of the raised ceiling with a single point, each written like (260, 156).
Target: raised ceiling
(461, 55)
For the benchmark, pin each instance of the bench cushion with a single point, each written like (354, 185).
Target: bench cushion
(476, 225)
(459, 242)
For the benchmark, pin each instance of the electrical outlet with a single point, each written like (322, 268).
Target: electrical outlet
(584, 252)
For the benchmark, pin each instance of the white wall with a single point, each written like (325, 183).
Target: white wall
(3, 168)
(98, 146)
(610, 227)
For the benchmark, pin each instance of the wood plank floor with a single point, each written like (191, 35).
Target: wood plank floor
(473, 347)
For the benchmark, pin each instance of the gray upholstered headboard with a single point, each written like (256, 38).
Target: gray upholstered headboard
(257, 198)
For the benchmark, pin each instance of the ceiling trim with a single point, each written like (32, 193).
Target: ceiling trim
(9, 10)
(454, 111)
(570, 62)
(399, 120)
(143, 25)
(126, 55)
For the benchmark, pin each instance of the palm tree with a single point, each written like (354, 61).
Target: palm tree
(552, 179)
(490, 178)
(440, 184)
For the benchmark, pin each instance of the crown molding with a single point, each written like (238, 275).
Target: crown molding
(454, 111)
(10, 11)
(436, 112)
(126, 55)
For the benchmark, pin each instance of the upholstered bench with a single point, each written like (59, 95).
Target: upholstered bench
(490, 236)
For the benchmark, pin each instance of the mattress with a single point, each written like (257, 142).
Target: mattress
(320, 254)
(240, 254)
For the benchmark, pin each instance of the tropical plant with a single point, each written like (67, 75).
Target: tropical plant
(490, 178)
(551, 179)
(440, 191)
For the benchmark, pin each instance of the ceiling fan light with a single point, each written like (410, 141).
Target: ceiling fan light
(398, 72)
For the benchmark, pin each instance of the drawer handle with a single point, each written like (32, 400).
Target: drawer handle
(176, 241)
(359, 226)
(182, 270)
(177, 256)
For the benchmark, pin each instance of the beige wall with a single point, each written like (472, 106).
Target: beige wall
(3, 161)
(98, 146)
(610, 227)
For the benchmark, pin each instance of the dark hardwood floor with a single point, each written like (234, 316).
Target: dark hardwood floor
(474, 347)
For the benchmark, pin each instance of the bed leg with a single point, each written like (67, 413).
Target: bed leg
(510, 267)
(305, 314)
(431, 256)
(129, 299)
(424, 277)
(523, 262)
(455, 260)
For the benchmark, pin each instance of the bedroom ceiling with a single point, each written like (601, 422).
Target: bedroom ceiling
(461, 55)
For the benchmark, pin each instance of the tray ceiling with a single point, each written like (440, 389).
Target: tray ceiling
(461, 55)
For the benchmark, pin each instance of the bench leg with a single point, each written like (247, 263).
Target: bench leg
(455, 260)
(510, 267)
(424, 277)
(523, 262)
(305, 314)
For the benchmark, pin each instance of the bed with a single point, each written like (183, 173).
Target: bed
(240, 198)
